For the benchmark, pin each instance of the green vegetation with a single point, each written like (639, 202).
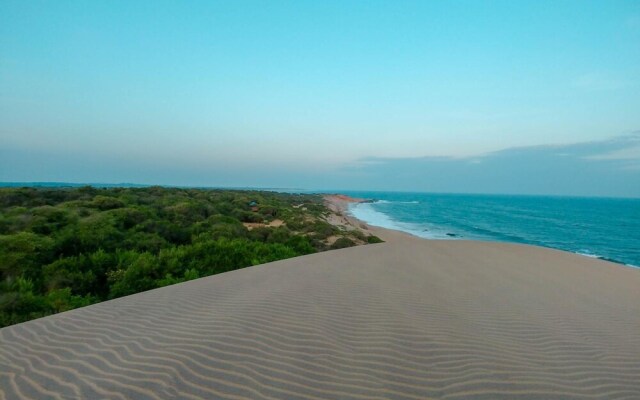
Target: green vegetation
(66, 248)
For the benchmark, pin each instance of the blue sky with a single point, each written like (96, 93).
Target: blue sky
(210, 93)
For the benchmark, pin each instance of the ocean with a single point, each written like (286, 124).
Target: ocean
(605, 228)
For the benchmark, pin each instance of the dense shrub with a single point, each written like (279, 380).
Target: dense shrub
(66, 248)
(343, 242)
(374, 239)
(106, 203)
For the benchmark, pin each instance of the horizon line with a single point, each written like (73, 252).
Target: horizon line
(104, 185)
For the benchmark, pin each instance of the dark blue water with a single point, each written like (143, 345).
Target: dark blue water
(606, 228)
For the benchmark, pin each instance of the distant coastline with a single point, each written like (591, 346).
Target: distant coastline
(69, 184)
(143, 185)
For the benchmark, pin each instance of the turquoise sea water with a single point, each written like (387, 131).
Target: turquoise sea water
(605, 228)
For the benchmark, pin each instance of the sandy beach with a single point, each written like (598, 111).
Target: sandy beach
(404, 319)
(339, 205)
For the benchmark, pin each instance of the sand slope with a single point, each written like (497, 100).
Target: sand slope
(405, 320)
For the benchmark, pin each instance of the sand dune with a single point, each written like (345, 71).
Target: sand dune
(410, 319)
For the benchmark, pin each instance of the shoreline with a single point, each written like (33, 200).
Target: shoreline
(338, 204)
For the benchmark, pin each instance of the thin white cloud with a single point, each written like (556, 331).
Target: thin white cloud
(630, 153)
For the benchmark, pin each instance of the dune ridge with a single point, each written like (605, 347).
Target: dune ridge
(404, 320)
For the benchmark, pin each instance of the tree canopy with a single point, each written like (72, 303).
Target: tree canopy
(69, 247)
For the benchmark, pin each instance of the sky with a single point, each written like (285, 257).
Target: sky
(323, 95)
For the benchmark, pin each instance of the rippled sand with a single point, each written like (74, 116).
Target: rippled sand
(408, 319)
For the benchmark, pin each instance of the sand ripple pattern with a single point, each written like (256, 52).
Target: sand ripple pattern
(411, 320)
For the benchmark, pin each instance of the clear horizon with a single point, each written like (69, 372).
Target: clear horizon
(491, 97)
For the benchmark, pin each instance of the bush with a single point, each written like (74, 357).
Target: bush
(322, 229)
(342, 243)
(106, 203)
(23, 254)
(139, 273)
(374, 239)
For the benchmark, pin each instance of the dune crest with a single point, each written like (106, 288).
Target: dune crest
(403, 320)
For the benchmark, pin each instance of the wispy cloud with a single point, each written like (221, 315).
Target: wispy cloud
(631, 153)
(604, 168)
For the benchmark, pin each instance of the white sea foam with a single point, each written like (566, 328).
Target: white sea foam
(588, 253)
(365, 212)
(396, 202)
